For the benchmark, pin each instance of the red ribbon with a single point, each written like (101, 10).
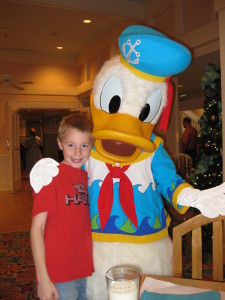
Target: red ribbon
(166, 111)
(105, 199)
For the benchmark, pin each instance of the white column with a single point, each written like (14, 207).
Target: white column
(220, 8)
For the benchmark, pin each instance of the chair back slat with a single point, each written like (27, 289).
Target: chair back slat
(197, 253)
(218, 241)
(177, 252)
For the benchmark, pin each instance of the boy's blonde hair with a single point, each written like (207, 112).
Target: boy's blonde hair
(75, 121)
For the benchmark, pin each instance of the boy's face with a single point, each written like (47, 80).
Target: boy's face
(76, 147)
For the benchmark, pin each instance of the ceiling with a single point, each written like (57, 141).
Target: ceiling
(41, 25)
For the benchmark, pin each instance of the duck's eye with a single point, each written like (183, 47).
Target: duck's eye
(151, 107)
(111, 95)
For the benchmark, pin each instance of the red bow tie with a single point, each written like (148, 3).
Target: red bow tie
(105, 200)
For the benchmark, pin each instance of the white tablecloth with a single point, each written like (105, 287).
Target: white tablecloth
(164, 287)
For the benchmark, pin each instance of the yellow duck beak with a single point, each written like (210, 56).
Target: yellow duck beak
(120, 137)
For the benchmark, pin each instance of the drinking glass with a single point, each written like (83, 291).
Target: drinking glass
(122, 283)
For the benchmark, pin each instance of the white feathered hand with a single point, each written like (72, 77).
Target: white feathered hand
(210, 202)
(42, 173)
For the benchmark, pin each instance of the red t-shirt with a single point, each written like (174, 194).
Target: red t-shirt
(190, 138)
(68, 241)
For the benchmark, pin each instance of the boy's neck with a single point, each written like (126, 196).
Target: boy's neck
(64, 163)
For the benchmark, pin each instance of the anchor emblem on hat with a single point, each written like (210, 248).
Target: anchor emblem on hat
(130, 51)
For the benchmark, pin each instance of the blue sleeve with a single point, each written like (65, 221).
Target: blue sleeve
(164, 172)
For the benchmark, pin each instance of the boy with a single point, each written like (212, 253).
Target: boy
(60, 231)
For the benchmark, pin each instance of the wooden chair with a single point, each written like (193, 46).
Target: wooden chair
(194, 225)
(183, 164)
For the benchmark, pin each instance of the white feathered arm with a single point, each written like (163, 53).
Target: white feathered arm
(43, 172)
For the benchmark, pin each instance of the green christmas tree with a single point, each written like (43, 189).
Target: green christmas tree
(209, 161)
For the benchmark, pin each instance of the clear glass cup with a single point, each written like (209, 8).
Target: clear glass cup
(122, 283)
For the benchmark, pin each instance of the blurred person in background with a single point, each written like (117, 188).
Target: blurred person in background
(33, 147)
(190, 140)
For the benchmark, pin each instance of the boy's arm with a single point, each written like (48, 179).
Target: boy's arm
(46, 288)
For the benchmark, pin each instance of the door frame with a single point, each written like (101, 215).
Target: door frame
(14, 148)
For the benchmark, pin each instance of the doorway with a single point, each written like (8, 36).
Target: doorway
(45, 122)
(17, 107)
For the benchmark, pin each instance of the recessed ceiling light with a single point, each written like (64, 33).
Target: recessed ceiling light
(59, 47)
(87, 21)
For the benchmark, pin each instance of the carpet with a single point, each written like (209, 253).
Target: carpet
(16, 267)
(207, 266)
(207, 263)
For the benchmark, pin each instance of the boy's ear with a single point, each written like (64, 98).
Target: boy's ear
(59, 143)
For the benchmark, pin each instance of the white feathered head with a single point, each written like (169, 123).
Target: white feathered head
(131, 92)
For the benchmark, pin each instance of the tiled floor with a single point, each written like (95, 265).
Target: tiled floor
(15, 209)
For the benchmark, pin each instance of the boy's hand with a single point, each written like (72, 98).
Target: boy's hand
(47, 291)
(42, 173)
(210, 202)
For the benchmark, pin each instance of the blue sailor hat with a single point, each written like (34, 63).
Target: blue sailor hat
(151, 54)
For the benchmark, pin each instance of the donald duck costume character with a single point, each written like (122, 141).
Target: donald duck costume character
(129, 170)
